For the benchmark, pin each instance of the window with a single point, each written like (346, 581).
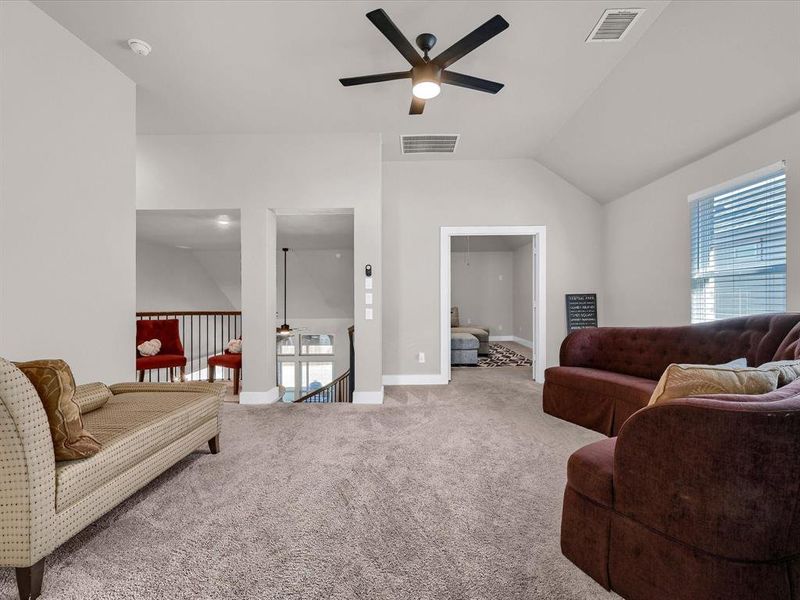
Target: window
(315, 375)
(306, 366)
(738, 252)
(316, 344)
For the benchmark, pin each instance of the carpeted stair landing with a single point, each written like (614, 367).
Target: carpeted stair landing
(450, 492)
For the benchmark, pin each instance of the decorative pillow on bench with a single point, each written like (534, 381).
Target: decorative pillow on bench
(55, 385)
(681, 381)
(91, 396)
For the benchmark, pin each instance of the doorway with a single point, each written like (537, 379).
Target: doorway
(536, 309)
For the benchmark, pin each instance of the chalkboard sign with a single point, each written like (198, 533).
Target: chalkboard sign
(581, 311)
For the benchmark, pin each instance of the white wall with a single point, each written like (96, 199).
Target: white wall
(257, 173)
(476, 193)
(482, 287)
(67, 200)
(170, 278)
(224, 267)
(320, 285)
(647, 231)
(523, 293)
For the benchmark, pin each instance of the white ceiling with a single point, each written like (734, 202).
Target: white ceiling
(189, 229)
(488, 243)
(607, 117)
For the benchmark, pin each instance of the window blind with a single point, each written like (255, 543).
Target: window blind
(738, 253)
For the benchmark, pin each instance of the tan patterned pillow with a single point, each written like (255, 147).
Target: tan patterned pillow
(788, 370)
(682, 381)
(56, 388)
(91, 396)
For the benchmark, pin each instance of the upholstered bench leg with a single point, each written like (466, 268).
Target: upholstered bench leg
(29, 581)
(213, 444)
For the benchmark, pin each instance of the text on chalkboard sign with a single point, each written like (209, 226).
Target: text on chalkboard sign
(581, 311)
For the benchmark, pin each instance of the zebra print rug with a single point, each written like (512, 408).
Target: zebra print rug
(500, 356)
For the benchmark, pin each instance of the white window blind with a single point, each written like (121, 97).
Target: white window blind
(738, 249)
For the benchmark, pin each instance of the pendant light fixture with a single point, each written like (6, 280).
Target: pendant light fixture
(284, 329)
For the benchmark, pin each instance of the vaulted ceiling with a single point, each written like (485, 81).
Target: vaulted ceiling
(689, 78)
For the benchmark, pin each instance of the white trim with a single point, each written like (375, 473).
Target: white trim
(368, 397)
(415, 379)
(268, 397)
(742, 180)
(501, 338)
(524, 342)
(539, 234)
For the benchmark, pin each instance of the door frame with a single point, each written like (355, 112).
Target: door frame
(539, 278)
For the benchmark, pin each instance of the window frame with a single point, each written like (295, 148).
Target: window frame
(730, 249)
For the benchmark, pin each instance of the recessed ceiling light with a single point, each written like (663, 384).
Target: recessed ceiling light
(140, 47)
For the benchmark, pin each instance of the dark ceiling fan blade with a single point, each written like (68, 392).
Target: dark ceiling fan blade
(471, 41)
(382, 21)
(348, 81)
(473, 83)
(417, 106)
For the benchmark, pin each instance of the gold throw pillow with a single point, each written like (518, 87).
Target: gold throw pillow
(682, 381)
(56, 388)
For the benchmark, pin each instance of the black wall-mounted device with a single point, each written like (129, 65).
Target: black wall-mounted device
(368, 270)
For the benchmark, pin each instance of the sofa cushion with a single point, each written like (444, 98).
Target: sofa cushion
(55, 385)
(131, 427)
(788, 370)
(590, 471)
(481, 334)
(91, 396)
(683, 381)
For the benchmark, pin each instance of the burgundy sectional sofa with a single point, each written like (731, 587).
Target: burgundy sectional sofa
(606, 374)
(697, 498)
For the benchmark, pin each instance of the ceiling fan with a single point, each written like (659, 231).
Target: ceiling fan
(428, 74)
(284, 330)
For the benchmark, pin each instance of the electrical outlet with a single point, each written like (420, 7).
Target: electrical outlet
(421, 357)
(500, 277)
(500, 327)
(469, 321)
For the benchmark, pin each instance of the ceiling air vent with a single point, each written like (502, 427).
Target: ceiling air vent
(429, 143)
(614, 24)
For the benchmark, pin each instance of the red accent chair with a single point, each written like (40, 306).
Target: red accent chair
(230, 361)
(171, 354)
(696, 499)
(606, 374)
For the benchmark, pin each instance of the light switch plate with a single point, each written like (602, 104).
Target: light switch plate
(368, 298)
(368, 283)
(368, 314)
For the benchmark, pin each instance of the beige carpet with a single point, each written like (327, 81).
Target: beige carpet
(441, 493)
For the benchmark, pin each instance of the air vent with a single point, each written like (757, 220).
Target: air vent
(614, 24)
(429, 143)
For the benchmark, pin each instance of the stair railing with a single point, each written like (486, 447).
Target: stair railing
(340, 389)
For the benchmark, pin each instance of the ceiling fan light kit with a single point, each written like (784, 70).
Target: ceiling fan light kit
(427, 75)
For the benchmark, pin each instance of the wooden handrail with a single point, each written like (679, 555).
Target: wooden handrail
(194, 313)
(337, 390)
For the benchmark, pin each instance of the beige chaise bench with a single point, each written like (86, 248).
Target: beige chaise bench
(144, 428)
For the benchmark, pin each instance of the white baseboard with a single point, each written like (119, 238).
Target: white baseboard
(502, 338)
(368, 397)
(524, 342)
(268, 397)
(423, 379)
